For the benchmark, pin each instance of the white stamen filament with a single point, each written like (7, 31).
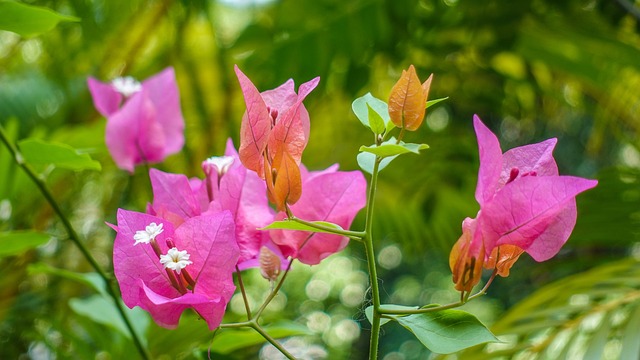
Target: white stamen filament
(149, 233)
(175, 260)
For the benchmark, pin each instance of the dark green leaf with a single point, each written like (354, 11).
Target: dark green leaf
(92, 280)
(37, 152)
(28, 20)
(101, 310)
(447, 331)
(294, 225)
(229, 340)
(16, 242)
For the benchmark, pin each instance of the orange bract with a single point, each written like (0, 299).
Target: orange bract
(284, 184)
(408, 98)
(466, 268)
(502, 258)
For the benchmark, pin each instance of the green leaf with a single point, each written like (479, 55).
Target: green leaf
(361, 105)
(447, 331)
(435, 101)
(229, 340)
(376, 122)
(294, 225)
(16, 242)
(92, 280)
(37, 152)
(391, 149)
(101, 310)
(366, 161)
(368, 312)
(27, 20)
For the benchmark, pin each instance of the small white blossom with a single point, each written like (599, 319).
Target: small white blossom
(126, 86)
(175, 260)
(221, 163)
(149, 233)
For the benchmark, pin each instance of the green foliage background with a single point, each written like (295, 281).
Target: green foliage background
(531, 70)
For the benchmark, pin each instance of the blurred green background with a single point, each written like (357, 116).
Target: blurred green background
(530, 69)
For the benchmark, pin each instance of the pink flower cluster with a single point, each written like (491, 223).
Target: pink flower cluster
(196, 233)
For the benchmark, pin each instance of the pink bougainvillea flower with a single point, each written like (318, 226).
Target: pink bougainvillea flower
(144, 120)
(165, 269)
(328, 195)
(228, 185)
(525, 206)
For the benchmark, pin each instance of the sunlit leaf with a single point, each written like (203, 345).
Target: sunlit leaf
(229, 340)
(360, 107)
(388, 149)
(447, 331)
(294, 225)
(28, 20)
(430, 103)
(16, 242)
(375, 121)
(366, 161)
(38, 152)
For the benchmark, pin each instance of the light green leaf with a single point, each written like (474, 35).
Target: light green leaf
(375, 121)
(447, 331)
(294, 225)
(103, 311)
(37, 152)
(27, 20)
(229, 340)
(16, 242)
(388, 149)
(435, 101)
(366, 161)
(360, 107)
(368, 312)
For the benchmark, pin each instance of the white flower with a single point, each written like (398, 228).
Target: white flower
(221, 163)
(175, 260)
(126, 86)
(149, 233)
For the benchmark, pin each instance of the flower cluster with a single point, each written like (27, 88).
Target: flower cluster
(196, 233)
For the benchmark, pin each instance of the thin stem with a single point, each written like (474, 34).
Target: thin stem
(442, 307)
(244, 294)
(353, 235)
(371, 263)
(273, 341)
(73, 236)
(273, 292)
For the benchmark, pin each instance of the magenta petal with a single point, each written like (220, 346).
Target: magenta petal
(105, 98)
(122, 133)
(529, 208)
(334, 197)
(490, 162)
(173, 193)
(528, 159)
(166, 311)
(162, 90)
(282, 97)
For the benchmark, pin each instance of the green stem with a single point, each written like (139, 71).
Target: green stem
(273, 341)
(441, 307)
(244, 294)
(73, 236)
(353, 235)
(273, 292)
(371, 263)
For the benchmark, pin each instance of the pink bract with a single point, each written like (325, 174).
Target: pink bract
(210, 241)
(328, 195)
(146, 126)
(523, 201)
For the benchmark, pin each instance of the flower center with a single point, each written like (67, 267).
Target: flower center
(220, 163)
(126, 86)
(148, 234)
(274, 115)
(175, 260)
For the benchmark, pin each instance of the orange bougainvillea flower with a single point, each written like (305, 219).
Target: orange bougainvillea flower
(466, 258)
(408, 100)
(282, 176)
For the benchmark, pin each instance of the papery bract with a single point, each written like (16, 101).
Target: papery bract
(525, 206)
(146, 126)
(274, 120)
(212, 251)
(329, 195)
(408, 100)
